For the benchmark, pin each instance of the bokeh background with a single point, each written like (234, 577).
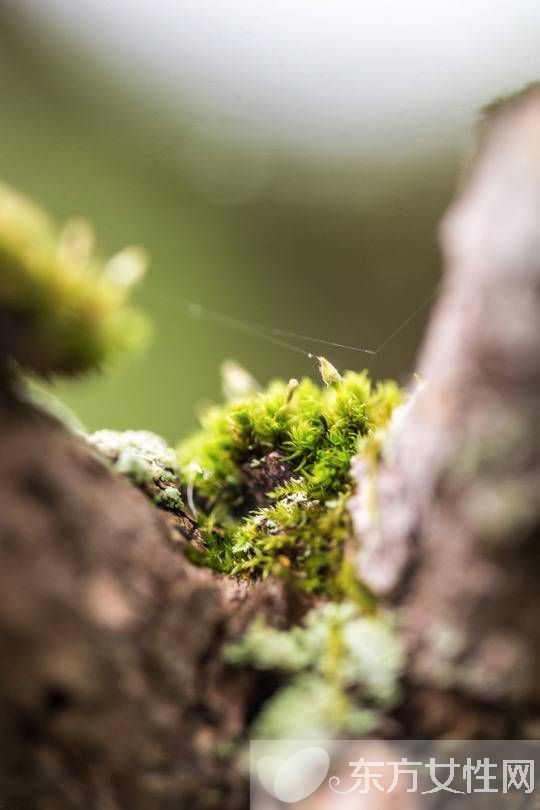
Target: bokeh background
(282, 161)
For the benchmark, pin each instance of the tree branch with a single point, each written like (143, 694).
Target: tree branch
(455, 544)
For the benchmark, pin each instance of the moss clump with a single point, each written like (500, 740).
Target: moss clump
(269, 476)
(64, 307)
(342, 668)
(145, 460)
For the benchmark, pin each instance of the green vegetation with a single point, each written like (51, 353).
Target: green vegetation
(145, 460)
(269, 477)
(65, 307)
(342, 669)
(288, 447)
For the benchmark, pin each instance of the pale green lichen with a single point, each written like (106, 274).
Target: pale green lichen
(343, 668)
(169, 498)
(300, 532)
(145, 460)
(68, 303)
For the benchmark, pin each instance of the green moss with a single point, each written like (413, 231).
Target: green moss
(66, 308)
(300, 532)
(343, 669)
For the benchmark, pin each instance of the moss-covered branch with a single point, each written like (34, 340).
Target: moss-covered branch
(130, 676)
(269, 477)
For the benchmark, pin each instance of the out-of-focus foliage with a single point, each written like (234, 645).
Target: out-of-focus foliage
(341, 668)
(347, 257)
(69, 304)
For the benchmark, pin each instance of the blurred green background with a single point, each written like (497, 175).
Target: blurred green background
(333, 245)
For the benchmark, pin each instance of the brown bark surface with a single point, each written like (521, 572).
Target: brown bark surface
(113, 692)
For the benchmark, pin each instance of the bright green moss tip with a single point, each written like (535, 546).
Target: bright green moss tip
(65, 308)
(297, 526)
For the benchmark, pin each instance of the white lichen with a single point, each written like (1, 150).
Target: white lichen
(142, 457)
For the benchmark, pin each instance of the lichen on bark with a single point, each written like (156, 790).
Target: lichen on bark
(342, 670)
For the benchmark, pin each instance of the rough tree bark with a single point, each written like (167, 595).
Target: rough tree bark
(456, 545)
(113, 690)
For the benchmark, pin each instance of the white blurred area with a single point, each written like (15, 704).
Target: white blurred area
(365, 78)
